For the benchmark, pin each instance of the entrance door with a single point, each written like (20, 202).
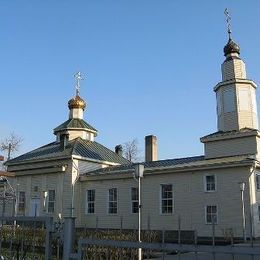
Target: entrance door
(35, 207)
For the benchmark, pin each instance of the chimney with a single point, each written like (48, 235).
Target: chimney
(151, 148)
(119, 150)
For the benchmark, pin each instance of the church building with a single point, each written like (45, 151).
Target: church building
(77, 176)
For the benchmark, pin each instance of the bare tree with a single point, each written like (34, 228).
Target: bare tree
(11, 144)
(131, 151)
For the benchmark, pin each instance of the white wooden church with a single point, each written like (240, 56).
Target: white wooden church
(76, 176)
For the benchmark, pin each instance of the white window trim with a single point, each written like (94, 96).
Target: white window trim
(205, 182)
(205, 213)
(112, 214)
(256, 175)
(131, 201)
(86, 208)
(18, 204)
(258, 212)
(48, 197)
(160, 200)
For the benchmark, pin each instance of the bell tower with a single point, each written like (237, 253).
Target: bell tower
(237, 118)
(236, 95)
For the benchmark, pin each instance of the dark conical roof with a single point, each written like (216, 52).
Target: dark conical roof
(231, 47)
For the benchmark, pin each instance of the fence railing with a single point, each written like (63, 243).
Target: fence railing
(26, 237)
(99, 249)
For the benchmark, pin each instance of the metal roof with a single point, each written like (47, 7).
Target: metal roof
(188, 162)
(78, 146)
(151, 164)
(74, 123)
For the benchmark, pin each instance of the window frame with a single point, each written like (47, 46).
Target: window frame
(88, 202)
(257, 181)
(205, 182)
(161, 199)
(258, 208)
(21, 210)
(112, 201)
(51, 201)
(134, 201)
(211, 223)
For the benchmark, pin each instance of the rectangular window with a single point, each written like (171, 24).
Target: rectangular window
(219, 103)
(210, 183)
(229, 100)
(166, 199)
(21, 202)
(257, 179)
(259, 212)
(134, 200)
(51, 201)
(90, 202)
(211, 214)
(244, 99)
(112, 201)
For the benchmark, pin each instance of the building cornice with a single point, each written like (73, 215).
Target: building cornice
(229, 135)
(75, 129)
(128, 173)
(86, 159)
(235, 81)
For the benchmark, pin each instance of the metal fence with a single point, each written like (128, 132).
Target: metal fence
(26, 238)
(38, 237)
(155, 245)
(123, 250)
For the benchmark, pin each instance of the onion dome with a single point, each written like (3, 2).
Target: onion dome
(77, 102)
(231, 47)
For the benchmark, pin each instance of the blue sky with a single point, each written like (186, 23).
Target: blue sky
(150, 67)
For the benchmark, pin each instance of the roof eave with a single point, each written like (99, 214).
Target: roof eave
(78, 157)
(225, 135)
(170, 169)
(37, 160)
(55, 131)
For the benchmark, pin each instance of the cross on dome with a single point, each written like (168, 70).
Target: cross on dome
(231, 47)
(78, 78)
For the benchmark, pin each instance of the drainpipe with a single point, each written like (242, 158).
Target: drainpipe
(251, 213)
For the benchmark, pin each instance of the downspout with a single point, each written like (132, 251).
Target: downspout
(251, 213)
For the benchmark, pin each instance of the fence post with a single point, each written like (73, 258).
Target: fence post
(80, 250)
(179, 235)
(163, 241)
(48, 238)
(121, 223)
(196, 243)
(213, 231)
(68, 237)
(179, 229)
(96, 223)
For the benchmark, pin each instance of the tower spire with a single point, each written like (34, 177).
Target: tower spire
(231, 47)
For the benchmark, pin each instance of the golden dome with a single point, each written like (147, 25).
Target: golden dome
(77, 102)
